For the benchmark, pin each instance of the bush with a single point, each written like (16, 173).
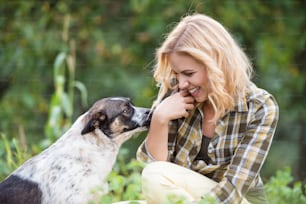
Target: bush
(282, 190)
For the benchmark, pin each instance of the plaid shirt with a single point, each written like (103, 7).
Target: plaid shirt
(237, 150)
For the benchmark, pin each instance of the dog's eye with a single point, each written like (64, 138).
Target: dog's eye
(127, 110)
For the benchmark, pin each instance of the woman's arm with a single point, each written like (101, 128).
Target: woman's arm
(157, 139)
(173, 107)
(250, 153)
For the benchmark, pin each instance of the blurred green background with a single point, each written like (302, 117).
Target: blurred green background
(58, 57)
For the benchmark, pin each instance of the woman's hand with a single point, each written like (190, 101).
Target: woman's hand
(174, 107)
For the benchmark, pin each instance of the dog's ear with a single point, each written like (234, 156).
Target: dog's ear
(94, 121)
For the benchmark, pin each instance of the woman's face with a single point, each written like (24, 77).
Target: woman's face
(191, 75)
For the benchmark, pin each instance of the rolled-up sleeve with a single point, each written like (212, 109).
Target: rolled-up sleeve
(144, 155)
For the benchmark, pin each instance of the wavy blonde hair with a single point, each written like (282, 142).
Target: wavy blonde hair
(203, 38)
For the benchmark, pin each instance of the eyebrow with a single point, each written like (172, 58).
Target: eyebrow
(184, 69)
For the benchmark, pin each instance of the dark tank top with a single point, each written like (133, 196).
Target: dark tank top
(203, 155)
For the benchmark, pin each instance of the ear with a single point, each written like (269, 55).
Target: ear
(95, 121)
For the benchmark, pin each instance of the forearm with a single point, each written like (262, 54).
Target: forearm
(157, 139)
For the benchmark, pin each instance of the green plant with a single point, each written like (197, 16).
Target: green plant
(61, 106)
(124, 181)
(14, 155)
(174, 199)
(279, 191)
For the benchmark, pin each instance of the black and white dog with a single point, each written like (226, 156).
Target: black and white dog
(80, 160)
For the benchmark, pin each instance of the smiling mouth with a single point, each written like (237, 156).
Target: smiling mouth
(194, 90)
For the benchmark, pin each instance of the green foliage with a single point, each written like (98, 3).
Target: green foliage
(61, 107)
(124, 180)
(13, 153)
(279, 191)
(62, 101)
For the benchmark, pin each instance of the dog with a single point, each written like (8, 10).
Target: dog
(78, 161)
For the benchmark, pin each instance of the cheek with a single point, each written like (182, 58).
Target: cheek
(205, 90)
(204, 82)
(201, 82)
(117, 126)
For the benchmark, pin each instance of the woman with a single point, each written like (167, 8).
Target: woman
(211, 127)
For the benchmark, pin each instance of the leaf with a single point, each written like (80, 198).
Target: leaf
(83, 90)
(59, 61)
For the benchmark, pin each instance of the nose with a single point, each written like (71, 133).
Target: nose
(148, 118)
(148, 111)
(183, 84)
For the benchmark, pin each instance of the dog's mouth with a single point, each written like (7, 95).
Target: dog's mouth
(142, 117)
(142, 124)
(148, 119)
(137, 129)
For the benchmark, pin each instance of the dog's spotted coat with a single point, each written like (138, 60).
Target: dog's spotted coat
(80, 160)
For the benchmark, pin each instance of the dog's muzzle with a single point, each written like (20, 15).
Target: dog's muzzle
(148, 118)
(142, 117)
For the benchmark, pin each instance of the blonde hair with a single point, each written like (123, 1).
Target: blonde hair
(203, 38)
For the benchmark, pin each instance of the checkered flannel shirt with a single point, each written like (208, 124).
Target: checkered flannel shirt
(237, 150)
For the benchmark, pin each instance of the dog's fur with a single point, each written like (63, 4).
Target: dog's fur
(80, 160)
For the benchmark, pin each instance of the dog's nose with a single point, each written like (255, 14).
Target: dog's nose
(148, 118)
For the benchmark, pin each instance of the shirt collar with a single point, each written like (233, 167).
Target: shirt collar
(240, 104)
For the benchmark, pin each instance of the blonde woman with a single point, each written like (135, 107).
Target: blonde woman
(211, 127)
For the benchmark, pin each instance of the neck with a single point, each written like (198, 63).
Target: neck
(208, 109)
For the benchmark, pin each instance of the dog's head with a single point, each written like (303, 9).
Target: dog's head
(115, 116)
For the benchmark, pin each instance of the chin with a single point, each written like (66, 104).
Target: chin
(201, 99)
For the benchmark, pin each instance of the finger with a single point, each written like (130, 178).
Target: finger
(189, 99)
(186, 114)
(189, 106)
(184, 92)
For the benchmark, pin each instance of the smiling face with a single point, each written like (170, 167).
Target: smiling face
(191, 75)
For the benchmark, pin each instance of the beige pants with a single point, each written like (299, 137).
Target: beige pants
(160, 179)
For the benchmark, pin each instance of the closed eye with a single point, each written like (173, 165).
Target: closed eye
(189, 74)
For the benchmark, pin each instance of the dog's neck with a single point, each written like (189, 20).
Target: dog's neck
(120, 139)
